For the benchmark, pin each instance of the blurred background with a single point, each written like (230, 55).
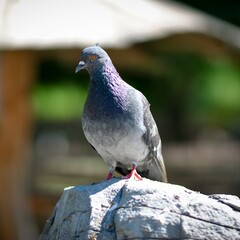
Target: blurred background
(183, 55)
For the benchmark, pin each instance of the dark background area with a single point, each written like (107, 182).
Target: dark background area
(226, 10)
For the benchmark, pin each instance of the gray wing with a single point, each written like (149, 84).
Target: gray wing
(155, 168)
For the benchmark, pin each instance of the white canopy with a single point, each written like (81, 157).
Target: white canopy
(115, 23)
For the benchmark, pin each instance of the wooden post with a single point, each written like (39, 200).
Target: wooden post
(16, 75)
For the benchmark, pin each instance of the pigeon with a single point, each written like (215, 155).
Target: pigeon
(117, 121)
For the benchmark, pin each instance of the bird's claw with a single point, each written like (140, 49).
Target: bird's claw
(110, 176)
(133, 174)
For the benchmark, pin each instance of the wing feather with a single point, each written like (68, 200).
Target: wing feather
(154, 160)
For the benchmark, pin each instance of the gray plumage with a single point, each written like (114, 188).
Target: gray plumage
(117, 120)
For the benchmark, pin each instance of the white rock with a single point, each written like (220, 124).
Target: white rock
(129, 209)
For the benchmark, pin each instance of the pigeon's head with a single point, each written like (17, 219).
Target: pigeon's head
(91, 58)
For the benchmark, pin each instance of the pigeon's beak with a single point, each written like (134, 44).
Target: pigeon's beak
(80, 66)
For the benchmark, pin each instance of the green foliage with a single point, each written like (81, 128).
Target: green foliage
(58, 102)
(216, 94)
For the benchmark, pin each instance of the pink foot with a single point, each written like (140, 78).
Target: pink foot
(133, 174)
(110, 176)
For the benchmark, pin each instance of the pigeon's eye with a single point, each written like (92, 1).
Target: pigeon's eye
(92, 57)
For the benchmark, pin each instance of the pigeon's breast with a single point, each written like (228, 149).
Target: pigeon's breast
(116, 140)
(116, 135)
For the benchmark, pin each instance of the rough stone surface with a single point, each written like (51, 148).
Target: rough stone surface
(128, 209)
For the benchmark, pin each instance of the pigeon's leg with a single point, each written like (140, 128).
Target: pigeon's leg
(110, 173)
(133, 174)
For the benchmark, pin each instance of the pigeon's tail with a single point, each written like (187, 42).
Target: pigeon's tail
(156, 170)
